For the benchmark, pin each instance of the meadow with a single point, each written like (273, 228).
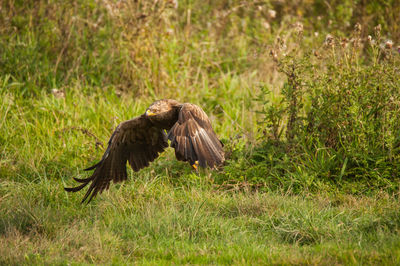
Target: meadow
(305, 96)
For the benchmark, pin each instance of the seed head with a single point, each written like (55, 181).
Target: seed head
(174, 3)
(274, 56)
(58, 93)
(280, 41)
(329, 41)
(272, 13)
(266, 25)
(344, 42)
(355, 42)
(377, 31)
(357, 27)
(388, 44)
(298, 27)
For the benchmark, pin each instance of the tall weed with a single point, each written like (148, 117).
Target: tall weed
(339, 111)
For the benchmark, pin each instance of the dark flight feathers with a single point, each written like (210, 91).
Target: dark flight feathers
(193, 138)
(140, 140)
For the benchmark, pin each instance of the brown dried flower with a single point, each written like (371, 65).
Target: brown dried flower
(272, 13)
(317, 54)
(298, 26)
(377, 31)
(344, 42)
(58, 93)
(329, 41)
(274, 55)
(266, 25)
(357, 27)
(389, 44)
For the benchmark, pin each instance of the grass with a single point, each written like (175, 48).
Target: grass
(310, 131)
(150, 220)
(165, 213)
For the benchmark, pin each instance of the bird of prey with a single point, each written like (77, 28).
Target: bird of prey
(140, 140)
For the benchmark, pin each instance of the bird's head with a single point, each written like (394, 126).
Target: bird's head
(161, 108)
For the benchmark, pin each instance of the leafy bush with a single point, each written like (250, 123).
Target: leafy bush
(334, 120)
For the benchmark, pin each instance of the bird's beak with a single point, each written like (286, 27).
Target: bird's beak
(150, 113)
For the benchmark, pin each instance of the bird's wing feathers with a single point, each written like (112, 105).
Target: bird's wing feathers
(136, 141)
(193, 138)
(139, 142)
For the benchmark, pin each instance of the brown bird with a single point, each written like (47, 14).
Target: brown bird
(140, 140)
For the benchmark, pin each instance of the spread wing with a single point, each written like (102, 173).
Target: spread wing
(136, 141)
(193, 138)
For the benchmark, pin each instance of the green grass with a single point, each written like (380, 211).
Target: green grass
(166, 213)
(150, 220)
(310, 132)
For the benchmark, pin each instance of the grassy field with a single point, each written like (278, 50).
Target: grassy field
(305, 100)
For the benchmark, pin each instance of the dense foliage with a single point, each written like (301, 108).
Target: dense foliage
(336, 117)
(146, 46)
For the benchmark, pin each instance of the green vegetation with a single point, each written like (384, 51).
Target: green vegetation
(304, 94)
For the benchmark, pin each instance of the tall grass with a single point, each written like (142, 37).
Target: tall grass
(149, 46)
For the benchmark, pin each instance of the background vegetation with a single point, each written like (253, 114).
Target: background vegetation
(304, 94)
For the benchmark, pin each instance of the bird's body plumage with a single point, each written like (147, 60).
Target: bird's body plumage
(140, 140)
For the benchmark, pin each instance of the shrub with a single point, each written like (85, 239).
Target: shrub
(335, 120)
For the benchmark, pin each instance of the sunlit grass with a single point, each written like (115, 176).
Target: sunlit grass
(65, 84)
(167, 212)
(153, 220)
